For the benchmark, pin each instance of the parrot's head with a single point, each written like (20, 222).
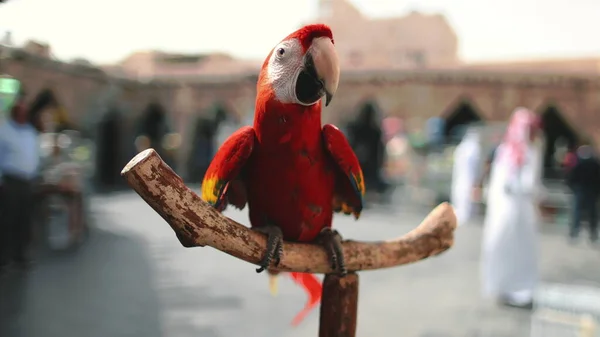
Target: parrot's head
(302, 68)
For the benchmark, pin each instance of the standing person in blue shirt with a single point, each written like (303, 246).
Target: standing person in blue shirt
(19, 166)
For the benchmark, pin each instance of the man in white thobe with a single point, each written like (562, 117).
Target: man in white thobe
(509, 250)
(465, 174)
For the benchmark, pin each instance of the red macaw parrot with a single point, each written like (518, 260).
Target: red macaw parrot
(292, 172)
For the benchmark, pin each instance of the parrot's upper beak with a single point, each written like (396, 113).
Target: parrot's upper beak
(321, 74)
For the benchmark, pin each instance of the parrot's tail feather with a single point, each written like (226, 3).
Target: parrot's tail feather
(301, 315)
(313, 287)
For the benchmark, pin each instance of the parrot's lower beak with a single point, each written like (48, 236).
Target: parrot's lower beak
(321, 74)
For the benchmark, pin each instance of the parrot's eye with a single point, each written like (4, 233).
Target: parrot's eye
(280, 52)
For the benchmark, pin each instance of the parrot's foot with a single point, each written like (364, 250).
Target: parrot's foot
(274, 246)
(332, 240)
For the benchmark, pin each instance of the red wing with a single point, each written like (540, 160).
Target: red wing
(350, 186)
(222, 183)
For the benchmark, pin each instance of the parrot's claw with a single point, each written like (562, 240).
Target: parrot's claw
(274, 246)
(332, 240)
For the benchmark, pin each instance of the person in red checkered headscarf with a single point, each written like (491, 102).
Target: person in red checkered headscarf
(522, 131)
(509, 250)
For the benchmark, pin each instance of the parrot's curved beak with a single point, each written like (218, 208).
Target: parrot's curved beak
(327, 65)
(321, 73)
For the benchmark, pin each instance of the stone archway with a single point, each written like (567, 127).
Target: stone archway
(109, 151)
(458, 119)
(154, 124)
(556, 131)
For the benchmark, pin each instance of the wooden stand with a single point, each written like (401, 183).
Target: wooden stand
(339, 306)
(197, 224)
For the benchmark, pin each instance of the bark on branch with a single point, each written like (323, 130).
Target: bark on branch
(197, 224)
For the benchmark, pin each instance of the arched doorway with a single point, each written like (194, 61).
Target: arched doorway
(109, 150)
(557, 133)
(456, 122)
(154, 124)
(153, 127)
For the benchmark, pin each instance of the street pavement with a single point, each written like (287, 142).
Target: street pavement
(133, 278)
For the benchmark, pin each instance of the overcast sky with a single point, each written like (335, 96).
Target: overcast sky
(108, 30)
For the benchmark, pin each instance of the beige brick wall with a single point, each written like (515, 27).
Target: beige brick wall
(414, 95)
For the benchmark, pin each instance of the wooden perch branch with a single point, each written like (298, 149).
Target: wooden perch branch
(197, 224)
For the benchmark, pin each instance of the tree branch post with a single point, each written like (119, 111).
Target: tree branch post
(339, 306)
(197, 224)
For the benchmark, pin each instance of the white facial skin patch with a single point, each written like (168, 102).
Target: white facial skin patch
(285, 64)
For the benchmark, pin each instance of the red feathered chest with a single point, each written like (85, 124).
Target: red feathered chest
(290, 177)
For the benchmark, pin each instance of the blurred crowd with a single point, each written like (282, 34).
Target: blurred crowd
(502, 173)
(515, 194)
(43, 176)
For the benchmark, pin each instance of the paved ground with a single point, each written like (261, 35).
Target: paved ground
(134, 279)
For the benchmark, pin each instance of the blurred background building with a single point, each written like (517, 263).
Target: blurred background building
(406, 67)
(408, 90)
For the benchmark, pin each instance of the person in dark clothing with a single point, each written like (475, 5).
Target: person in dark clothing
(584, 181)
(366, 138)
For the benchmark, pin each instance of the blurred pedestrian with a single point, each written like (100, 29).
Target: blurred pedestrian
(509, 248)
(584, 180)
(62, 193)
(467, 161)
(19, 167)
(397, 150)
(366, 138)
